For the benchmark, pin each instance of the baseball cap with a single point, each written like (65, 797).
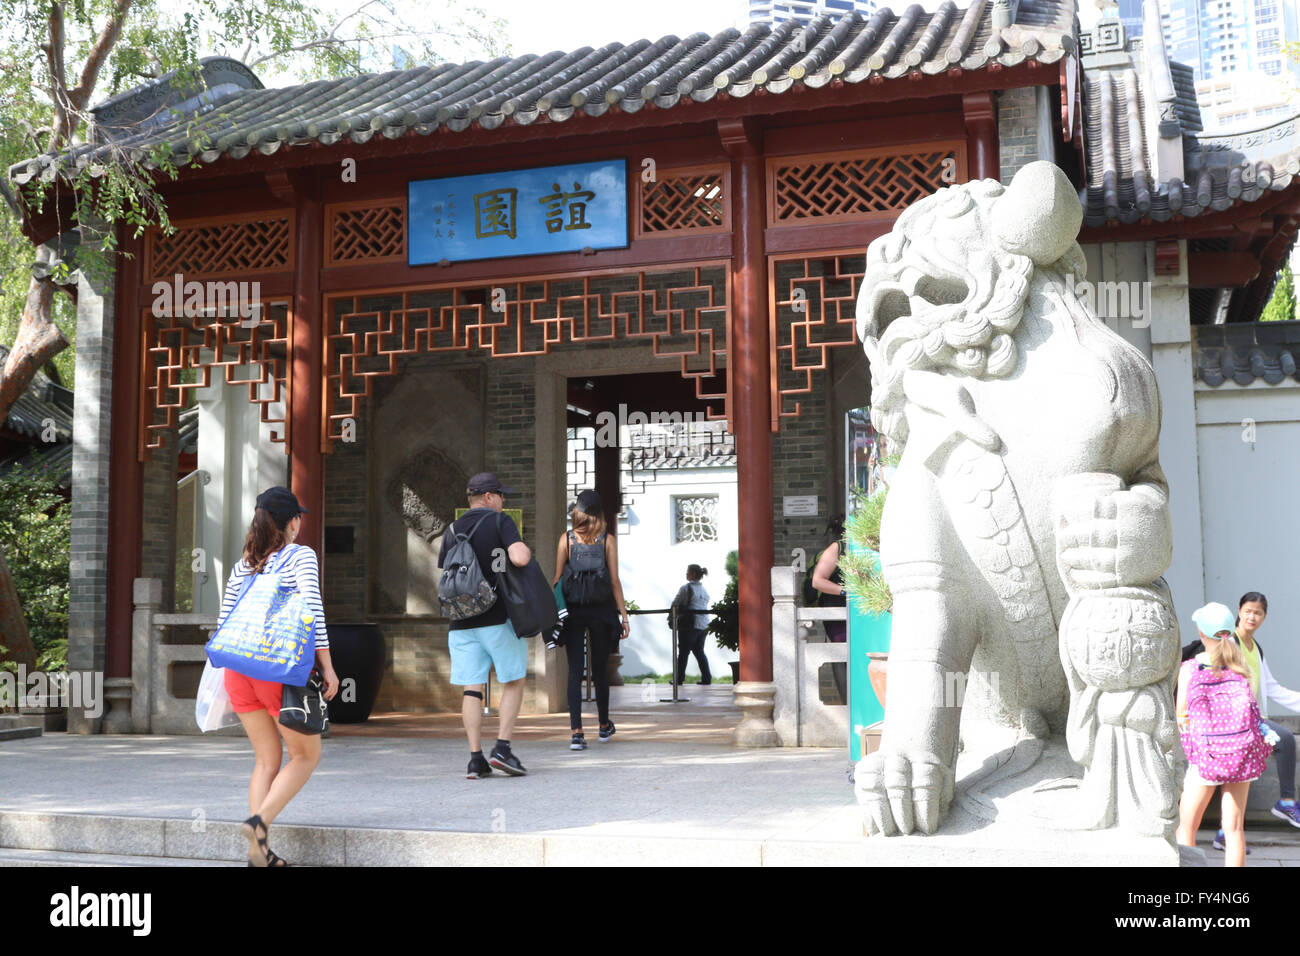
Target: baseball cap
(281, 504)
(484, 482)
(1213, 618)
(589, 502)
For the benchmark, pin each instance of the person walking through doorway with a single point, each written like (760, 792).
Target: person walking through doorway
(486, 641)
(586, 567)
(690, 608)
(269, 544)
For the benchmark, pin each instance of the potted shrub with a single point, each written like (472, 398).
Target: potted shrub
(860, 568)
(725, 625)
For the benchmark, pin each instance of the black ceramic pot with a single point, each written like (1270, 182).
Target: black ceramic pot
(735, 671)
(357, 652)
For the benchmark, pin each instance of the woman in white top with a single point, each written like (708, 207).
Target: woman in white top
(275, 525)
(692, 626)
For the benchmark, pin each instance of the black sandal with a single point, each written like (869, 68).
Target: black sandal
(257, 847)
(273, 860)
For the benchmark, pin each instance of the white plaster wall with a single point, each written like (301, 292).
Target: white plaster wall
(235, 448)
(1249, 517)
(652, 568)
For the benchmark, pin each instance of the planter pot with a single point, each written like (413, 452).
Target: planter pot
(877, 673)
(358, 654)
(615, 676)
(735, 671)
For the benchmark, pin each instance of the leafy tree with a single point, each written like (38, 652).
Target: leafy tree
(35, 528)
(1281, 307)
(56, 57)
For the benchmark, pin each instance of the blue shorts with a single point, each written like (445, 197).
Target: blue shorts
(476, 650)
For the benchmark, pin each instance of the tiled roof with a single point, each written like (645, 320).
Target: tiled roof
(1147, 154)
(1247, 351)
(557, 86)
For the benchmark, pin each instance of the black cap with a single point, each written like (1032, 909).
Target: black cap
(484, 482)
(281, 504)
(589, 502)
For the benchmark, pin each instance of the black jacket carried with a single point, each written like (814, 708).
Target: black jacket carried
(528, 597)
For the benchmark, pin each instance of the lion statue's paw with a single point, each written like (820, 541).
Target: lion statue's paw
(902, 792)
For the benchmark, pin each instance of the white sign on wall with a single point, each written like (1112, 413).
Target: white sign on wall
(799, 506)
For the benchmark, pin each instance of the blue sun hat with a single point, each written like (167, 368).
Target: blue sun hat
(1213, 618)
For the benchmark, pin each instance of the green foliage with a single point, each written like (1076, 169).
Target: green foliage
(35, 533)
(861, 568)
(725, 626)
(1281, 306)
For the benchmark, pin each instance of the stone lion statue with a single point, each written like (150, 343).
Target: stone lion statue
(1027, 526)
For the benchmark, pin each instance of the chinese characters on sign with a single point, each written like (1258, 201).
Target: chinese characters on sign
(519, 213)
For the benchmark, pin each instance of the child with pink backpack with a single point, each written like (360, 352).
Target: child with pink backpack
(1219, 723)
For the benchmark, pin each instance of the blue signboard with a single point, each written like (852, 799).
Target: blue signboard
(522, 212)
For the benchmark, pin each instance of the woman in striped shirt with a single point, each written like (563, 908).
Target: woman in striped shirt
(270, 538)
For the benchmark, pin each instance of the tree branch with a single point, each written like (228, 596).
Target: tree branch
(108, 37)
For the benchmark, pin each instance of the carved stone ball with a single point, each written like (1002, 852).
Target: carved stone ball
(1120, 638)
(1039, 215)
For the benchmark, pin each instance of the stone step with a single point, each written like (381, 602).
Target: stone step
(152, 838)
(15, 858)
(16, 727)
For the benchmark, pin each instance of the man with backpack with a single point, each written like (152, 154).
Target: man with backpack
(474, 550)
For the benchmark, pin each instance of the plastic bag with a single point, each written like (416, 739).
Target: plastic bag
(212, 707)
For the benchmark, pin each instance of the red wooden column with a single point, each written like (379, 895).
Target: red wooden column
(751, 398)
(307, 462)
(126, 480)
(982, 158)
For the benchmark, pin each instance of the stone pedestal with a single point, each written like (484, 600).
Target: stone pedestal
(756, 700)
(117, 694)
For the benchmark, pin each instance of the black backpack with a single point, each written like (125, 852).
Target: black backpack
(463, 592)
(586, 575)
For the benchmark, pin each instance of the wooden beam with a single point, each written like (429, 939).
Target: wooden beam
(982, 158)
(1215, 270)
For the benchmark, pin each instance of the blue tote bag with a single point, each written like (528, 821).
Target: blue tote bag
(270, 633)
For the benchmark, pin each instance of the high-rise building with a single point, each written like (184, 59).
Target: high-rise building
(777, 11)
(1221, 37)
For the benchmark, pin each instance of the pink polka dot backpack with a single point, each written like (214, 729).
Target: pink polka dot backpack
(1222, 740)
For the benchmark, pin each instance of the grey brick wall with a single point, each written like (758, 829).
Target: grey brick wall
(91, 426)
(347, 499)
(1017, 130)
(801, 465)
(158, 545)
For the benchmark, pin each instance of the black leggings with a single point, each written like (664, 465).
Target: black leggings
(604, 641)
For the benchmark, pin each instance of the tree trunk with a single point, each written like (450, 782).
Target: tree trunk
(13, 626)
(38, 341)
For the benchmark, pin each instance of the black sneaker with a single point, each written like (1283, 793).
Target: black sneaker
(505, 760)
(578, 742)
(607, 732)
(478, 768)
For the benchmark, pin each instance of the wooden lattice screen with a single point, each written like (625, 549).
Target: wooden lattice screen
(682, 311)
(181, 353)
(691, 200)
(813, 300)
(862, 185)
(237, 247)
(368, 231)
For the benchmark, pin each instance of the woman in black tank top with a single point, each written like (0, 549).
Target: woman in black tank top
(586, 562)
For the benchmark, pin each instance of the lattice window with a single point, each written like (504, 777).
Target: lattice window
(685, 200)
(680, 310)
(252, 355)
(264, 245)
(695, 518)
(367, 232)
(815, 301)
(870, 185)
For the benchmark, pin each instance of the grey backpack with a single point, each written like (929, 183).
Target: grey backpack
(462, 590)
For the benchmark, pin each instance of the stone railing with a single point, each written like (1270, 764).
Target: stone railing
(800, 717)
(154, 708)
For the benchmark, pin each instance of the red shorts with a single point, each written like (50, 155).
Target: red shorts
(248, 694)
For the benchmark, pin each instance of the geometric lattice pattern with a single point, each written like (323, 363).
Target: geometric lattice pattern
(367, 232)
(681, 201)
(182, 353)
(858, 187)
(815, 299)
(696, 518)
(680, 310)
(252, 246)
(671, 445)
